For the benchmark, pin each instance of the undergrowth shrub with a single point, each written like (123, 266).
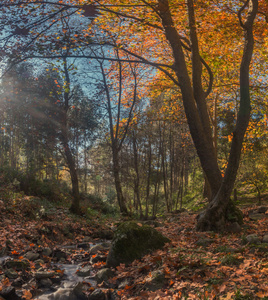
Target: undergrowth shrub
(95, 202)
(52, 190)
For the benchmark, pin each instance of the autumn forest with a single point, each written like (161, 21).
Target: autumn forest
(143, 119)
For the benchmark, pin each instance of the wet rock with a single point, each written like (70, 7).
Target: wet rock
(97, 294)
(32, 256)
(59, 254)
(98, 258)
(47, 251)
(38, 263)
(252, 239)
(44, 274)
(45, 283)
(11, 274)
(132, 241)
(18, 265)
(84, 272)
(104, 275)
(95, 249)
(56, 279)
(9, 293)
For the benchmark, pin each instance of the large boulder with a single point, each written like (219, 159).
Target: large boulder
(132, 241)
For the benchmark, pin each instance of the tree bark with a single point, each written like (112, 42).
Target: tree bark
(193, 105)
(214, 218)
(117, 182)
(75, 206)
(193, 99)
(137, 179)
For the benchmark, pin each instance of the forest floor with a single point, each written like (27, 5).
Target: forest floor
(194, 265)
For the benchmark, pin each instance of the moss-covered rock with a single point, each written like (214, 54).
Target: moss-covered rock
(18, 265)
(132, 241)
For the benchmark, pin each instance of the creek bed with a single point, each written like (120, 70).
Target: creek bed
(70, 280)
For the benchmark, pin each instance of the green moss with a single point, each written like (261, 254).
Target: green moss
(234, 214)
(18, 265)
(132, 241)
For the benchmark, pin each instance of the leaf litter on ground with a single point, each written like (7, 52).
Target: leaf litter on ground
(224, 268)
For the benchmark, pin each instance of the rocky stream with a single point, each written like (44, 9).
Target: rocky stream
(65, 272)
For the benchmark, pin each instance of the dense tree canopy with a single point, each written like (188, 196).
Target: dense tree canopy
(209, 57)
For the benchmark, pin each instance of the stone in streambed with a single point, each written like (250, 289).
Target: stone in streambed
(43, 274)
(97, 294)
(9, 293)
(104, 275)
(47, 251)
(11, 274)
(18, 265)
(32, 256)
(45, 282)
(84, 272)
(95, 249)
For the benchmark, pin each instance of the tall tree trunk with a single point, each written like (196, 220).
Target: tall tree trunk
(85, 168)
(137, 179)
(149, 159)
(75, 207)
(214, 217)
(193, 98)
(207, 193)
(193, 105)
(117, 182)
(207, 190)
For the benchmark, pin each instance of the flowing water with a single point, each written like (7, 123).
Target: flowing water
(68, 283)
